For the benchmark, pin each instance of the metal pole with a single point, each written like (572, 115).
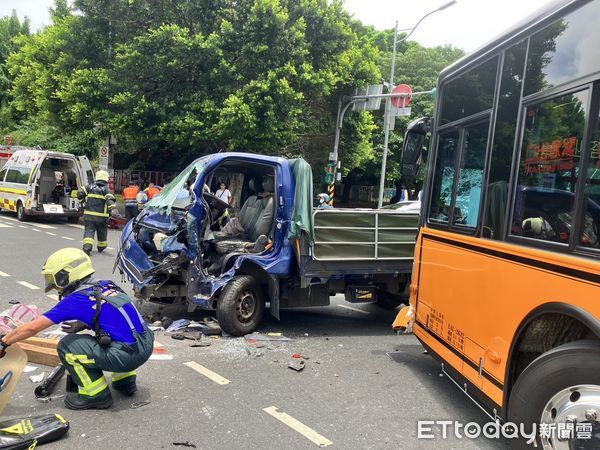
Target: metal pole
(386, 124)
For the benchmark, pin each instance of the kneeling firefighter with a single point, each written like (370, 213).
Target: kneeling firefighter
(122, 340)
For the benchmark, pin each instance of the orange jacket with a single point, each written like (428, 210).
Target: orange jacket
(129, 194)
(152, 191)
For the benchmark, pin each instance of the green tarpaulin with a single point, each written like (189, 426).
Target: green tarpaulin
(303, 198)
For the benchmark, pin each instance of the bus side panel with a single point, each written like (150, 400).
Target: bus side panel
(481, 290)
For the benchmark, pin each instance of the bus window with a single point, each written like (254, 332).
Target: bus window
(468, 191)
(563, 51)
(590, 227)
(549, 168)
(504, 141)
(470, 93)
(443, 183)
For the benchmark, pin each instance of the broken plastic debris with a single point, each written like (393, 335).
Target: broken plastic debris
(201, 344)
(274, 334)
(185, 444)
(297, 365)
(178, 325)
(37, 378)
(29, 368)
(139, 404)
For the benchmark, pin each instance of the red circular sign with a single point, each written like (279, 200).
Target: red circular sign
(104, 151)
(402, 102)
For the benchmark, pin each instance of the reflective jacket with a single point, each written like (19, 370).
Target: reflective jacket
(99, 201)
(129, 195)
(152, 192)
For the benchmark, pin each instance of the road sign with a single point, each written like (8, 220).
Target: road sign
(103, 159)
(371, 104)
(402, 102)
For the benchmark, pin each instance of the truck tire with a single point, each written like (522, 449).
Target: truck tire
(21, 212)
(387, 300)
(560, 386)
(241, 306)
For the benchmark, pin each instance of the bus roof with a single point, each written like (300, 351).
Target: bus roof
(511, 35)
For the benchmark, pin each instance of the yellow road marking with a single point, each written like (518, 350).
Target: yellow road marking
(354, 309)
(298, 426)
(53, 297)
(28, 285)
(4, 274)
(207, 372)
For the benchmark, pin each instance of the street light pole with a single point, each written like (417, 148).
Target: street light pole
(388, 104)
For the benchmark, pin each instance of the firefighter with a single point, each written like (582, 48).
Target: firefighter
(121, 342)
(99, 203)
(129, 195)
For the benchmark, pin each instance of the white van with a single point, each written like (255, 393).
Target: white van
(44, 183)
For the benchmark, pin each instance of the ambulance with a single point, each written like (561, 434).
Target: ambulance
(44, 183)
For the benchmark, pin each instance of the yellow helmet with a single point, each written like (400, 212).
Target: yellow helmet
(102, 175)
(66, 267)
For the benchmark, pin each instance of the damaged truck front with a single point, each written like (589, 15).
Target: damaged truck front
(189, 245)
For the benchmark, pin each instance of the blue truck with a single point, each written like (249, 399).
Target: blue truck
(270, 246)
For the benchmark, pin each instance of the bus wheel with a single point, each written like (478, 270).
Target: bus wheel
(241, 306)
(387, 300)
(559, 388)
(21, 212)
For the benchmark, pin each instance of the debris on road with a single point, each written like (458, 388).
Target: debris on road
(297, 364)
(178, 325)
(137, 405)
(29, 368)
(185, 444)
(159, 353)
(201, 344)
(266, 337)
(37, 378)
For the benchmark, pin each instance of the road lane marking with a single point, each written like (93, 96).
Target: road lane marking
(51, 234)
(110, 248)
(4, 225)
(22, 226)
(207, 372)
(74, 225)
(68, 238)
(4, 274)
(35, 229)
(44, 226)
(53, 297)
(10, 218)
(354, 309)
(298, 426)
(28, 285)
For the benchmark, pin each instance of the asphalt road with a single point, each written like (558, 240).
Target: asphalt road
(363, 386)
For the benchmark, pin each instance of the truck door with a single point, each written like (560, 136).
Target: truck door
(87, 174)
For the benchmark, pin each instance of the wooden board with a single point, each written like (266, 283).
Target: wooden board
(40, 355)
(43, 342)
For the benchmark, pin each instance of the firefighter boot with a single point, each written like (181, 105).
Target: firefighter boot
(78, 401)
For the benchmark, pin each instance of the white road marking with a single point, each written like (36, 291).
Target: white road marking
(4, 274)
(22, 226)
(110, 248)
(53, 297)
(68, 238)
(354, 309)
(74, 225)
(51, 234)
(10, 218)
(28, 285)
(35, 229)
(298, 426)
(44, 226)
(207, 372)
(4, 225)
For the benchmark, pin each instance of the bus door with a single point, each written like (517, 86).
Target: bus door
(448, 283)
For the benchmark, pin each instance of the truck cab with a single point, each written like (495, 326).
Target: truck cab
(269, 244)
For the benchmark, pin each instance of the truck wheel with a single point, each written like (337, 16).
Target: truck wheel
(241, 306)
(387, 300)
(560, 387)
(21, 212)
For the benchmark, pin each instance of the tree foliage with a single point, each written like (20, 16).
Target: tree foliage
(175, 80)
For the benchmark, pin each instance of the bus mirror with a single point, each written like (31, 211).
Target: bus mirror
(412, 150)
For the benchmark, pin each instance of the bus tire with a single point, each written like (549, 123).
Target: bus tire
(241, 306)
(21, 212)
(386, 300)
(562, 382)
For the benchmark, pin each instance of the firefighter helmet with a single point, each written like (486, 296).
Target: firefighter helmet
(102, 175)
(65, 268)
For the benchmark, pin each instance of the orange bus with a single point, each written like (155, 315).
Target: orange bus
(506, 282)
